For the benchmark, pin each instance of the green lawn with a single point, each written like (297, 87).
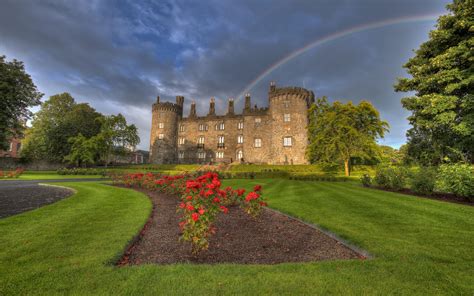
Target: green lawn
(419, 246)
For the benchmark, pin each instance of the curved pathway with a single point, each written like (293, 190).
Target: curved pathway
(18, 196)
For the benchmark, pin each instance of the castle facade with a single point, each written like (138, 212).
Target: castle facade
(275, 135)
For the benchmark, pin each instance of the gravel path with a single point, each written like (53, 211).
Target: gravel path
(18, 196)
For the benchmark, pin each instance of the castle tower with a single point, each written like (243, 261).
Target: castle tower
(288, 109)
(230, 110)
(164, 130)
(247, 105)
(212, 107)
(192, 111)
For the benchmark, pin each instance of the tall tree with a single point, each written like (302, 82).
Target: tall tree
(340, 131)
(17, 94)
(116, 137)
(59, 119)
(442, 77)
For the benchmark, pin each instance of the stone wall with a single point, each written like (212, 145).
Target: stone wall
(8, 163)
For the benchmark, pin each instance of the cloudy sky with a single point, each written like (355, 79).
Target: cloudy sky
(119, 55)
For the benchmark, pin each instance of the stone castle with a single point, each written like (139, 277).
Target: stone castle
(274, 135)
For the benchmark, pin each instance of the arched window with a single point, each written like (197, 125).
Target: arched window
(239, 155)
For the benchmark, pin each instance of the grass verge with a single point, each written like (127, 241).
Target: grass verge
(420, 246)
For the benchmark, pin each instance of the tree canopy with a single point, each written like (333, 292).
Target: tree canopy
(442, 77)
(59, 119)
(17, 93)
(340, 131)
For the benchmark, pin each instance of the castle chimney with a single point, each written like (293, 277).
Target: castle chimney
(212, 107)
(157, 99)
(180, 101)
(272, 86)
(192, 112)
(247, 102)
(230, 110)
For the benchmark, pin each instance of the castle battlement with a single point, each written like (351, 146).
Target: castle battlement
(274, 134)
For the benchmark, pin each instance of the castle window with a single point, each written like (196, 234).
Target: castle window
(220, 154)
(287, 141)
(258, 143)
(286, 104)
(202, 127)
(181, 141)
(258, 120)
(221, 126)
(161, 136)
(240, 125)
(181, 128)
(286, 117)
(220, 142)
(161, 125)
(201, 155)
(240, 139)
(201, 140)
(181, 154)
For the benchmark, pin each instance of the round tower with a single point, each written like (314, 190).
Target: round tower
(288, 109)
(164, 130)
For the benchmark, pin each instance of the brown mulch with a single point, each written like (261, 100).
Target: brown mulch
(272, 238)
(446, 197)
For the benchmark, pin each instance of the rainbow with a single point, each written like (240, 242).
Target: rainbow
(332, 37)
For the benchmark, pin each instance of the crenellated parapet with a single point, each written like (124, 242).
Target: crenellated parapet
(291, 92)
(167, 106)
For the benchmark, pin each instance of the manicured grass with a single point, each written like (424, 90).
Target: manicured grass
(52, 176)
(420, 246)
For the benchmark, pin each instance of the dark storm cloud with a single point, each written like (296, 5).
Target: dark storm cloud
(118, 55)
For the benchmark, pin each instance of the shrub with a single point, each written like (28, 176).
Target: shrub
(457, 179)
(81, 171)
(366, 180)
(423, 181)
(391, 177)
(12, 174)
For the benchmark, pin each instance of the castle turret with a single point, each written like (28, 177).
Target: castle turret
(212, 107)
(247, 105)
(164, 130)
(180, 103)
(288, 108)
(192, 111)
(230, 110)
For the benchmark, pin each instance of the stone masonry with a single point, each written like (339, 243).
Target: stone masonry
(274, 135)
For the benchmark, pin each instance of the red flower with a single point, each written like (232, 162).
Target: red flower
(216, 199)
(262, 203)
(201, 211)
(228, 188)
(208, 193)
(189, 197)
(195, 216)
(224, 209)
(181, 224)
(240, 192)
(182, 205)
(190, 208)
(251, 195)
(257, 188)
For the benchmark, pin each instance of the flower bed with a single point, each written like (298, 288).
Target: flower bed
(202, 199)
(11, 174)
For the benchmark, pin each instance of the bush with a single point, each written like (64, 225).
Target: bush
(423, 181)
(391, 177)
(457, 179)
(366, 180)
(81, 171)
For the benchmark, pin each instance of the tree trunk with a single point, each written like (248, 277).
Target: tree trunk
(346, 167)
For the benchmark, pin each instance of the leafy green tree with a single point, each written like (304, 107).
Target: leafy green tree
(340, 131)
(115, 137)
(83, 151)
(17, 94)
(442, 77)
(59, 119)
(390, 155)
